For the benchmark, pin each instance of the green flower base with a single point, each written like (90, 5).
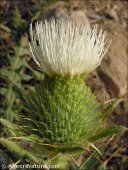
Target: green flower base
(65, 109)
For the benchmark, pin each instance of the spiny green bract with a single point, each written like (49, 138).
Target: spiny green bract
(63, 111)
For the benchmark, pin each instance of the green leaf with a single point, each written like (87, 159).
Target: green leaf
(103, 167)
(18, 149)
(18, 90)
(110, 108)
(3, 91)
(14, 74)
(19, 22)
(4, 72)
(73, 166)
(109, 131)
(12, 128)
(90, 163)
(26, 78)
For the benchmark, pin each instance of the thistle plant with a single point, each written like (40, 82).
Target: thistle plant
(61, 115)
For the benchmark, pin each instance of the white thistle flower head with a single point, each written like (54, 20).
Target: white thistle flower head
(64, 48)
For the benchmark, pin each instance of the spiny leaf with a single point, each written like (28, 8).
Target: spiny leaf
(14, 74)
(12, 128)
(31, 138)
(37, 146)
(93, 160)
(89, 164)
(22, 152)
(110, 108)
(19, 22)
(108, 131)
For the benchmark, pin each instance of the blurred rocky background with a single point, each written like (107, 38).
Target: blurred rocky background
(110, 80)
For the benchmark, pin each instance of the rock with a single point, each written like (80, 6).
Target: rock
(76, 5)
(80, 17)
(98, 87)
(112, 14)
(121, 114)
(110, 79)
(56, 13)
(61, 4)
(113, 70)
(95, 17)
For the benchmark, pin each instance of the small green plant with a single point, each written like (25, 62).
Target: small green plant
(61, 117)
(19, 22)
(13, 74)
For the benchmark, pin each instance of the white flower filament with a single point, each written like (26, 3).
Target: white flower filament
(63, 48)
